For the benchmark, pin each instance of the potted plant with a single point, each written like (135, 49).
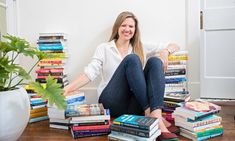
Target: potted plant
(14, 101)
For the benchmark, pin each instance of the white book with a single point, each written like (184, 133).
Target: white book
(90, 118)
(59, 126)
(38, 106)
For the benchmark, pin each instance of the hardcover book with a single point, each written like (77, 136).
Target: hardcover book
(136, 121)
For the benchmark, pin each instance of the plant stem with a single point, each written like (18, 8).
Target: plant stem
(27, 73)
(12, 61)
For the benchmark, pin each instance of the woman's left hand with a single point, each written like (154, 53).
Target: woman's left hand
(163, 55)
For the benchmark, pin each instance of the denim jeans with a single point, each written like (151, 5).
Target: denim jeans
(132, 90)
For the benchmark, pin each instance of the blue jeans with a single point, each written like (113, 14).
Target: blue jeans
(132, 90)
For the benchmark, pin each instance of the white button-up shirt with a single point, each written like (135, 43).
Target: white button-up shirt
(107, 58)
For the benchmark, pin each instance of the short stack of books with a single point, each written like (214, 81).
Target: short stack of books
(134, 127)
(58, 118)
(176, 88)
(54, 44)
(88, 120)
(38, 111)
(197, 120)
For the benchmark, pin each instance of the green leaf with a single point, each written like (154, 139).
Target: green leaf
(52, 91)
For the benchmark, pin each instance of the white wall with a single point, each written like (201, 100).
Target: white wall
(89, 22)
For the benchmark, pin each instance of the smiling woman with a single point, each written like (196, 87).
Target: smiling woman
(128, 77)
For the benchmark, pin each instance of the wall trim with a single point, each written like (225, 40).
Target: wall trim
(3, 5)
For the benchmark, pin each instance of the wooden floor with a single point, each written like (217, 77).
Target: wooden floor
(41, 132)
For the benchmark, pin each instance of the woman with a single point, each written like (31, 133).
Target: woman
(127, 88)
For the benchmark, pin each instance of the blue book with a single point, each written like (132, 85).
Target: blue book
(136, 121)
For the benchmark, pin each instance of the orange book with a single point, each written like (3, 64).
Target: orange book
(39, 114)
(43, 109)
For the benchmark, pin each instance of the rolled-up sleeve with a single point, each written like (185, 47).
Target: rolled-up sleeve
(152, 48)
(92, 70)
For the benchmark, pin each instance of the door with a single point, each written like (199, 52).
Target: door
(2, 18)
(217, 49)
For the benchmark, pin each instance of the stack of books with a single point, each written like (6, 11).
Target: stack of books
(176, 88)
(88, 120)
(38, 110)
(58, 118)
(54, 44)
(197, 120)
(134, 127)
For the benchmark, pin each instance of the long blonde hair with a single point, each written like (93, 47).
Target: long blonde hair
(135, 40)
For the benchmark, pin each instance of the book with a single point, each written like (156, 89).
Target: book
(196, 123)
(32, 120)
(172, 104)
(177, 97)
(38, 114)
(89, 133)
(194, 129)
(42, 109)
(136, 121)
(90, 127)
(129, 137)
(197, 109)
(53, 36)
(57, 126)
(204, 133)
(84, 110)
(105, 116)
(134, 131)
(88, 123)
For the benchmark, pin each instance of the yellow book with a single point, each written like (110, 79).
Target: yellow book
(39, 114)
(43, 109)
(180, 57)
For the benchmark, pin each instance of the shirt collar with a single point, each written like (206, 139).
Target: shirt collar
(113, 46)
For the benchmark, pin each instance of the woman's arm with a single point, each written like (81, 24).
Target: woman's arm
(79, 82)
(163, 55)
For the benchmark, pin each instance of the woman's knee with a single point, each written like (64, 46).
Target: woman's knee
(132, 58)
(155, 61)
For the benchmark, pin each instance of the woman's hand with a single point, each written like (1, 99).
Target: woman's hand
(163, 55)
(68, 90)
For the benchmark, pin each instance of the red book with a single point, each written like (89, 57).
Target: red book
(91, 127)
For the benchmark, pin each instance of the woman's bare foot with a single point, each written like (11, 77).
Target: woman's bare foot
(167, 123)
(158, 114)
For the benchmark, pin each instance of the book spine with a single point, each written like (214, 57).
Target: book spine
(133, 131)
(38, 119)
(40, 114)
(131, 125)
(91, 127)
(89, 133)
(43, 109)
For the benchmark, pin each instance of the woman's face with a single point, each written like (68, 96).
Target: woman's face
(127, 29)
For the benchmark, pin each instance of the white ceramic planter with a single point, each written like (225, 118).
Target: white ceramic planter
(14, 114)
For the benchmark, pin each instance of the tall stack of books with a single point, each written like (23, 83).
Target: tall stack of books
(134, 127)
(58, 118)
(54, 44)
(176, 88)
(197, 120)
(38, 110)
(88, 120)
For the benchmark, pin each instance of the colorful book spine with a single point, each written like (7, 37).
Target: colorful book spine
(136, 121)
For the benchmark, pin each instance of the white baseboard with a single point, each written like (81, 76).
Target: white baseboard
(194, 89)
